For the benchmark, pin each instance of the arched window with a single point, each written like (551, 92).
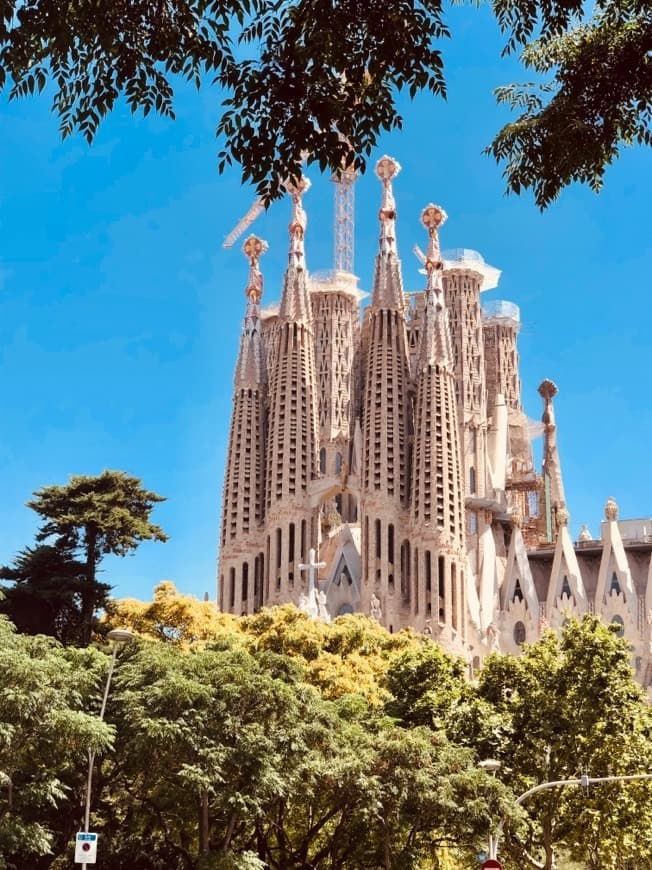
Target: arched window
(245, 581)
(565, 587)
(518, 592)
(232, 588)
(338, 463)
(618, 620)
(519, 633)
(615, 585)
(405, 570)
(472, 480)
(322, 460)
(473, 523)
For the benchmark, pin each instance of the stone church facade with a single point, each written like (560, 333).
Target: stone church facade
(392, 442)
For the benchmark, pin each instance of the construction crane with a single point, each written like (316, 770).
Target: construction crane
(344, 220)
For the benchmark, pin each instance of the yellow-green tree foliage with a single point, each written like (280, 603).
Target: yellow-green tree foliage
(348, 656)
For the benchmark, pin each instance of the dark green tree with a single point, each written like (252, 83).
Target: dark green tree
(592, 94)
(46, 593)
(321, 77)
(83, 521)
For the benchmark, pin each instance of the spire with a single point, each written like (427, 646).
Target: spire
(436, 346)
(250, 368)
(298, 222)
(388, 285)
(295, 303)
(387, 169)
(555, 498)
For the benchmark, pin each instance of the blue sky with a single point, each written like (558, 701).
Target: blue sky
(120, 313)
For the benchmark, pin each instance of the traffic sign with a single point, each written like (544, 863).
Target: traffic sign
(492, 864)
(86, 848)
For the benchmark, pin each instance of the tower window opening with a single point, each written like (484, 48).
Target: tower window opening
(245, 581)
(519, 633)
(232, 588)
(619, 621)
(615, 585)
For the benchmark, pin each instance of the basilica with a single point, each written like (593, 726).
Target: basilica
(380, 460)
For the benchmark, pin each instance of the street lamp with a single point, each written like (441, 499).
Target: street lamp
(491, 765)
(584, 781)
(116, 636)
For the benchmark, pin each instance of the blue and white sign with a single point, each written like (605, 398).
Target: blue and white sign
(86, 848)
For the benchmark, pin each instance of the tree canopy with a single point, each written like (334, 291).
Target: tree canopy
(319, 80)
(229, 749)
(56, 589)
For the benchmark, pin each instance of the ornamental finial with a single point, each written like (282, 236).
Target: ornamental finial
(516, 516)
(296, 189)
(387, 169)
(433, 217)
(563, 517)
(253, 249)
(611, 509)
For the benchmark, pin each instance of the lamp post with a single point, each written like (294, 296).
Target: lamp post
(491, 765)
(116, 636)
(584, 781)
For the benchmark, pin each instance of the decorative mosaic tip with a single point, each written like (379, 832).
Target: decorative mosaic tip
(298, 187)
(433, 217)
(611, 509)
(253, 249)
(387, 169)
(548, 389)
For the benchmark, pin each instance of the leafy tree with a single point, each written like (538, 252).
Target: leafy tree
(316, 78)
(47, 593)
(96, 516)
(594, 96)
(171, 617)
(46, 727)
(570, 705)
(218, 755)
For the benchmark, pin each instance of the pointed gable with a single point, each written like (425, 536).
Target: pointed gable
(615, 577)
(566, 584)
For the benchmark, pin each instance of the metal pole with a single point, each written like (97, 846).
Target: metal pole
(91, 752)
(584, 781)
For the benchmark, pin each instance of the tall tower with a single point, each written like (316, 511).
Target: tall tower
(501, 323)
(437, 515)
(462, 286)
(241, 553)
(290, 528)
(554, 498)
(386, 428)
(336, 325)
